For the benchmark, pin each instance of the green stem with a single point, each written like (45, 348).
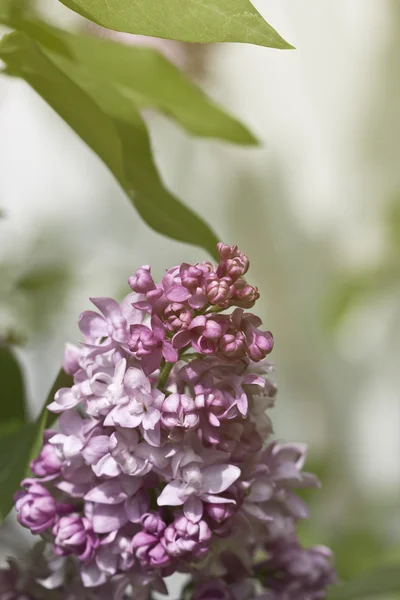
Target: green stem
(164, 374)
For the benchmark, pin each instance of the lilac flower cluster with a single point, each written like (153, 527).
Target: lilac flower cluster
(159, 463)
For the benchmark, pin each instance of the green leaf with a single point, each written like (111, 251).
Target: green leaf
(145, 78)
(186, 20)
(12, 406)
(85, 111)
(381, 581)
(19, 446)
(158, 207)
(25, 59)
(15, 455)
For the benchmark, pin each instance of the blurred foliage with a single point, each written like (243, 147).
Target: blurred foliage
(12, 407)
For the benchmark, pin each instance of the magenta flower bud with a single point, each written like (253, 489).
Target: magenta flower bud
(245, 296)
(179, 410)
(225, 251)
(177, 316)
(183, 536)
(219, 291)
(74, 535)
(48, 463)
(36, 508)
(191, 276)
(233, 263)
(142, 340)
(221, 512)
(233, 345)
(149, 551)
(259, 343)
(142, 281)
(152, 523)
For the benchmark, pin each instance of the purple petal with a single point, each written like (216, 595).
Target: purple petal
(121, 416)
(92, 324)
(106, 466)
(177, 293)
(172, 495)
(150, 418)
(106, 560)
(109, 307)
(64, 399)
(152, 436)
(181, 339)
(218, 478)
(136, 507)
(108, 492)
(193, 509)
(131, 314)
(170, 354)
(158, 328)
(151, 362)
(91, 575)
(135, 378)
(95, 449)
(108, 518)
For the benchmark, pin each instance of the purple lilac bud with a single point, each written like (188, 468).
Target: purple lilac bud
(48, 463)
(153, 523)
(245, 295)
(179, 410)
(259, 343)
(233, 345)
(74, 535)
(177, 316)
(146, 544)
(142, 341)
(36, 508)
(233, 263)
(142, 281)
(183, 537)
(219, 291)
(191, 276)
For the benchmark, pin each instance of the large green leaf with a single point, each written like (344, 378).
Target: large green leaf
(186, 20)
(155, 204)
(24, 59)
(12, 406)
(19, 446)
(376, 583)
(86, 115)
(145, 78)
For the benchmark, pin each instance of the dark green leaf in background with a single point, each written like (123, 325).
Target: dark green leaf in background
(20, 446)
(186, 20)
(12, 405)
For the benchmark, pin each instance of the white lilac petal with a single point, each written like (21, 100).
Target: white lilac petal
(136, 379)
(213, 499)
(92, 575)
(151, 417)
(193, 509)
(107, 518)
(152, 436)
(108, 492)
(174, 494)
(219, 478)
(107, 466)
(107, 560)
(109, 307)
(96, 448)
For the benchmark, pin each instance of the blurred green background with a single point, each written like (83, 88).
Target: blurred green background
(316, 208)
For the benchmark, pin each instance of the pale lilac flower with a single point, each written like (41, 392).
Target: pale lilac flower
(195, 485)
(111, 328)
(179, 410)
